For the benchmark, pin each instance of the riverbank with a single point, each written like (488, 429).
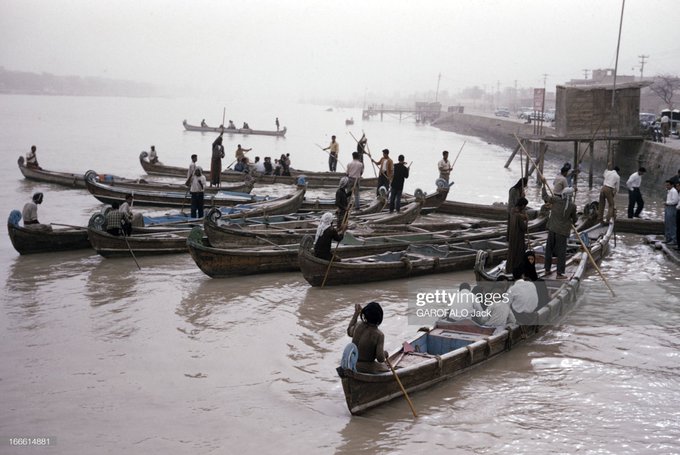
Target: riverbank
(662, 160)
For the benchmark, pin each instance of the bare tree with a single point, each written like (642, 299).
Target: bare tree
(665, 85)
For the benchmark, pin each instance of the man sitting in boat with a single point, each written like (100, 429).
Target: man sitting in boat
(231, 125)
(203, 124)
(32, 159)
(268, 168)
(153, 156)
(464, 304)
(242, 165)
(368, 339)
(114, 220)
(30, 210)
(325, 234)
(497, 312)
(522, 297)
(246, 126)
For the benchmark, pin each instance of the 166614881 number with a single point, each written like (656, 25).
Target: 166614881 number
(18, 441)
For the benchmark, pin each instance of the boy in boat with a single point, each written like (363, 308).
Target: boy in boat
(203, 124)
(153, 156)
(32, 159)
(368, 339)
(126, 214)
(30, 210)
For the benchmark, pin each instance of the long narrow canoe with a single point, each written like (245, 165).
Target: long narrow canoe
(237, 260)
(151, 198)
(244, 131)
(41, 238)
(74, 180)
(166, 242)
(312, 178)
(451, 348)
(414, 261)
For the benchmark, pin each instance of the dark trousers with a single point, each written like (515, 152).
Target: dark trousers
(556, 245)
(332, 162)
(395, 200)
(197, 205)
(127, 228)
(677, 226)
(635, 197)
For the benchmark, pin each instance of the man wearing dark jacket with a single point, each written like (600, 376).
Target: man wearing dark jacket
(397, 187)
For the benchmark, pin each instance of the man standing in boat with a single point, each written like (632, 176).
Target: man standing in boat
(354, 171)
(562, 218)
(400, 174)
(333, 155)
(277, 123)
(126, 211)
(216, 161)
(240, 153)
(386, 167)
(444, 166)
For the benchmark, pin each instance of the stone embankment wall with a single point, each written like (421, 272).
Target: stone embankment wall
(661, 160)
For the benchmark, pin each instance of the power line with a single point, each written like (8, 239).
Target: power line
(642, 63)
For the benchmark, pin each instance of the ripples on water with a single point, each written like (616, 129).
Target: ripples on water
(167, 360)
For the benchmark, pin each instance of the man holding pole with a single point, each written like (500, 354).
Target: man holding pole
(562, 217)
(444, 166)
(354, 171)
(386, 166)
(609, 189)
(334, 148)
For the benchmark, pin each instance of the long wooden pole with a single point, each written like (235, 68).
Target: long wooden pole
(401, 386)
(459, 151)
(329, 154)
(578, 236)
(130, 250)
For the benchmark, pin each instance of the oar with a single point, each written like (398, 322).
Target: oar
(130, 249)
(69, 225)
(578, 236)
(401, 386)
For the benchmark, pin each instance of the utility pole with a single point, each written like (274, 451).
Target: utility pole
(498, 93)
(585, 74)
(642, 63)
(545, 78)
(436, 95)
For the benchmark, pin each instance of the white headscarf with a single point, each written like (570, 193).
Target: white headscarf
(567, 194)
(325, 223)
(343, 182)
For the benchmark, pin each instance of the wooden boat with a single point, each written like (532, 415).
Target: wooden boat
(238, 260)
(73, 180)
(313, 179)
(406, 215)
(328, 205)
(492, 212)
(413, 261)
(431, 201)
(657, 242)
(450, 348)
(640, 226)
(349, 121)
(150, 198)
(166, 242)
(41, 238)
(244, 131)
(279, 206)
(149, 185)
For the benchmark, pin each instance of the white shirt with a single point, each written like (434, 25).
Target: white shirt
(672, 197)
(463, 306)
(634, 181)
(259, 167)
(197, 184)
(523, 297)
(30, 212)
(355, 169)
(500, 315)
(612, 179)
(444, 167)
(126, 210)
(192, 169)
(665, 119)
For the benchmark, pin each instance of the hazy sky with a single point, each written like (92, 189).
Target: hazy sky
(300, 48)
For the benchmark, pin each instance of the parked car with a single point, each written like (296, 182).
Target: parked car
(502, 112)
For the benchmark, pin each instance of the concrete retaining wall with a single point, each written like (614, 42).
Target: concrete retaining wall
(661, 160)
